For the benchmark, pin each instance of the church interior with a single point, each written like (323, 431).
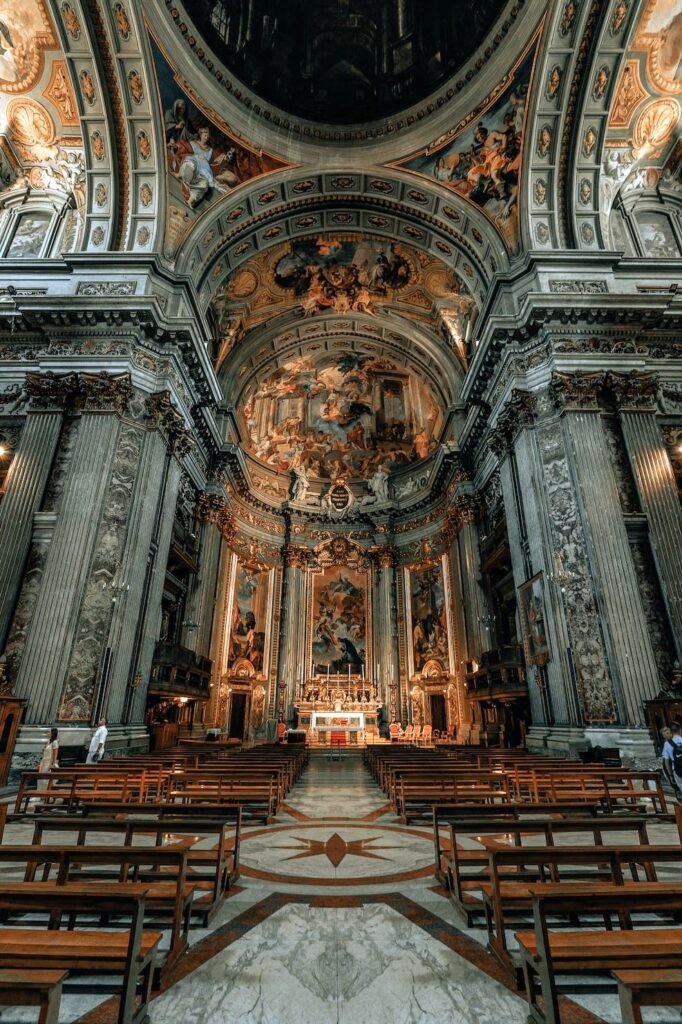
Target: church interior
(340, 511)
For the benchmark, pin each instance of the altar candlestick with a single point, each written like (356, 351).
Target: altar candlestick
(327, 674)
(349, 671)
(363, 670)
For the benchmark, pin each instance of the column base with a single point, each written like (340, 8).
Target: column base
(556, 740)
(635, 745)
(121, 740)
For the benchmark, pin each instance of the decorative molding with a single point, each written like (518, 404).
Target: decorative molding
(106, 288)
(577, 287)
(629, 391)
(50, 390)
(576, 390)
(105, 392)
(633, 391)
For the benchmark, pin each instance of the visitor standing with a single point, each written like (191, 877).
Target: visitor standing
(672, 756)
(96, 751)
(48, 761)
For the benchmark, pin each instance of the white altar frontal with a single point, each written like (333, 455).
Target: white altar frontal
(337, 720)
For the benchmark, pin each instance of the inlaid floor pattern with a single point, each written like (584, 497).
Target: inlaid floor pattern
(337, 919)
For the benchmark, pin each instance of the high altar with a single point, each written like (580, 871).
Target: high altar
(336, 705)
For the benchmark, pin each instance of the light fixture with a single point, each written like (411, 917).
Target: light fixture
(2, 451)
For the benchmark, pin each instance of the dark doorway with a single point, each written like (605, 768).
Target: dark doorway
(438, 716)
(237, 716)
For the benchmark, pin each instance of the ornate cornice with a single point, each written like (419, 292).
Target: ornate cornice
(212, 509)
(519, 412)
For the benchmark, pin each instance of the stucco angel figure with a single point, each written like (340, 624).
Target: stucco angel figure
(203, 168)
(301, 483)
(378, 484)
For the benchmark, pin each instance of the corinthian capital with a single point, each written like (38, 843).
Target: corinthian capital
(166, 418)
(212, 508)
(105, 392)
(386, 556)
(577, 390)
(296, 557)
(49, 390)
(633, 391)
(519, 412)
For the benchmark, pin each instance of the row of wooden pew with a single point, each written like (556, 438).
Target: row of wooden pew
(563, 863)
(133, 853)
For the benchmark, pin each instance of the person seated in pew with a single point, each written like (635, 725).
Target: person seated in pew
(672, 757)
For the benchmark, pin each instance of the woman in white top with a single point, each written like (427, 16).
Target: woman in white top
(48, 759)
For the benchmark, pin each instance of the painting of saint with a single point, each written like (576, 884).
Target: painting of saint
(342, 275)
(29, 235)
(429, 618)
(249, 615)
(533, 625)
(204, 162)
(657, 235)
(339, 621)
(349, 415)
(483, 162)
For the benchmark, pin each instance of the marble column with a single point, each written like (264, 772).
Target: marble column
(467, 510)
(26, 481)
(385, 669)
(655, 482)
(217, 524)
(292, 654)
(53, 625)
(631, 659)
(216, 712)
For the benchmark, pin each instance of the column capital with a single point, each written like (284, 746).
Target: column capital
(212, 508)
(50, 391)
(577, 391)
(518, 412)
(634, 391)
(104, 392)
(386, 556)
(296, 557)
(166, 418)
(465, 510)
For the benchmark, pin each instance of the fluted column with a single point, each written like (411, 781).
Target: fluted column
(386, 633)
(26, 481)
(293, 625)
(630, 655)
(466, 511)
(217, 524)
(53, 625)
(655, 481)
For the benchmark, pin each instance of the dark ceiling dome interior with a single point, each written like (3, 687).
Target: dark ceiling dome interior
(344, 61)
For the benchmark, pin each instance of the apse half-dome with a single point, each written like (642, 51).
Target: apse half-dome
(341, 416)
(344, 61)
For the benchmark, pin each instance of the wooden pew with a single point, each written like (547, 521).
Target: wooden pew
(211, 871)
(162, 872)
(546, 953)
(33, 988)
(129, 952)
(503, 895)
(647, 988)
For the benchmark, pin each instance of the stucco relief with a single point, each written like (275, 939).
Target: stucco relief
(98, 605)
(582, 617)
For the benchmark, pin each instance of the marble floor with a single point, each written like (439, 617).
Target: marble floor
(336, 919)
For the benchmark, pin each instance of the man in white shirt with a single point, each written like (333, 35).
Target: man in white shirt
(96, 751)
(672, 756)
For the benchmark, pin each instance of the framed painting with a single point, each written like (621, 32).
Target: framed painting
(533, 621)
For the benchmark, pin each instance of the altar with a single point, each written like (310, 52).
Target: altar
(349, 709)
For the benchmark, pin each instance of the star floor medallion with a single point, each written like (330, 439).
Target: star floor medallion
(335, 849)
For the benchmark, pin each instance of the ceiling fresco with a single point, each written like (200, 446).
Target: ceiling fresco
(480, 159)
(41, 147)
(641, 147)
(344, 274)
(340, 416)
(344, 63)
(205, 157)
